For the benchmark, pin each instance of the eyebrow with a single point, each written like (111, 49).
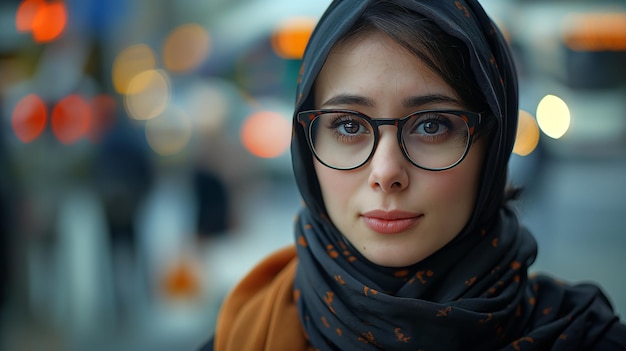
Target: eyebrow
(349, 99)
(410, 102)
(419, 101)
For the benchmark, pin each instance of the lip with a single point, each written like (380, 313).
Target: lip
(390, 222)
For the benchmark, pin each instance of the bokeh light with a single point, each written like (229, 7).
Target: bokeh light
(49, 22)
(182, 281)
(170, 133)
(129, 63)
(553, 116)
(25, 15)
(29, 118)
(595, 31)
(71, 119)
(150, 94)
(290, 37)
(208, 106)
(527, 137)
(266, 134)
(46, 21)
(186, 47)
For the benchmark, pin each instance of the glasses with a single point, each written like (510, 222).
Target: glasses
(433, 140)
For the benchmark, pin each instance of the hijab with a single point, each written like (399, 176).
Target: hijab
(475, 292)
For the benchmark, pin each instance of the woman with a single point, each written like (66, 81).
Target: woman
(404, 124)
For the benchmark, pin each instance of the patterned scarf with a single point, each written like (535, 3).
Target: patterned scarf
(473, 294)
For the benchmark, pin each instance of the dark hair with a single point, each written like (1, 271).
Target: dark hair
(445, 55)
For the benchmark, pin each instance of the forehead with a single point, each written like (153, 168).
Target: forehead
(376, 67)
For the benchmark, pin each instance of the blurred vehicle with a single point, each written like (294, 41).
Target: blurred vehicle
(576, 50)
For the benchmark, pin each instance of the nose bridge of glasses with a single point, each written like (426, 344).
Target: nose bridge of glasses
(386, 122)
(389, 142)
(398, 123)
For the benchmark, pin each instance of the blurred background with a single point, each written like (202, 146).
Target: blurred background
(144, 162)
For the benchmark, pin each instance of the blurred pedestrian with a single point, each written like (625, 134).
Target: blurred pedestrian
(404, 124)
(213, 203)
(123, 176)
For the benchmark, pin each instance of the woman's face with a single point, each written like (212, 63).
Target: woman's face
(394, 213)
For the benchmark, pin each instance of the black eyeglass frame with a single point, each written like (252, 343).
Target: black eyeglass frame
(471, 119)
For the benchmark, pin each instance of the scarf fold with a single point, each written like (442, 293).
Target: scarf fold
(474, 295)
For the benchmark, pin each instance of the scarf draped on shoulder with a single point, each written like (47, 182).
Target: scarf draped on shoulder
(474, 294)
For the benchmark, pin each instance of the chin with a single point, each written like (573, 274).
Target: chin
(389, 257)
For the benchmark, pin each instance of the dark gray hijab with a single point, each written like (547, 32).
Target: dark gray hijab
(473, 294)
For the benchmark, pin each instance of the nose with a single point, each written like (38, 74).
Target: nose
(388, 166)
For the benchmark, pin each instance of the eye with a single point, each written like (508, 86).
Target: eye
(431, 127)
(434, 127)
(348, 125)
(343, 127)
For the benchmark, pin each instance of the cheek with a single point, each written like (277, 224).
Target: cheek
(455, 190)
(338, 187)
(452, 194)
(460, 186)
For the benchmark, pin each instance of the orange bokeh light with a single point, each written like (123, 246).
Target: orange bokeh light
(595, 32)
(49, 22)
(46, 20)
(266, 134)
(129, 63)
(71, 119)
(290, 38)
(29, 118)
(186, 47)
(528, 134)
(182, 281)
(26, 13)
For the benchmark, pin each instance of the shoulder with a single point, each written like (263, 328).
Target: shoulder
(266, 272)
(262, 302)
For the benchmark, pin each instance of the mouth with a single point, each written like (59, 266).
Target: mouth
(390, 222)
